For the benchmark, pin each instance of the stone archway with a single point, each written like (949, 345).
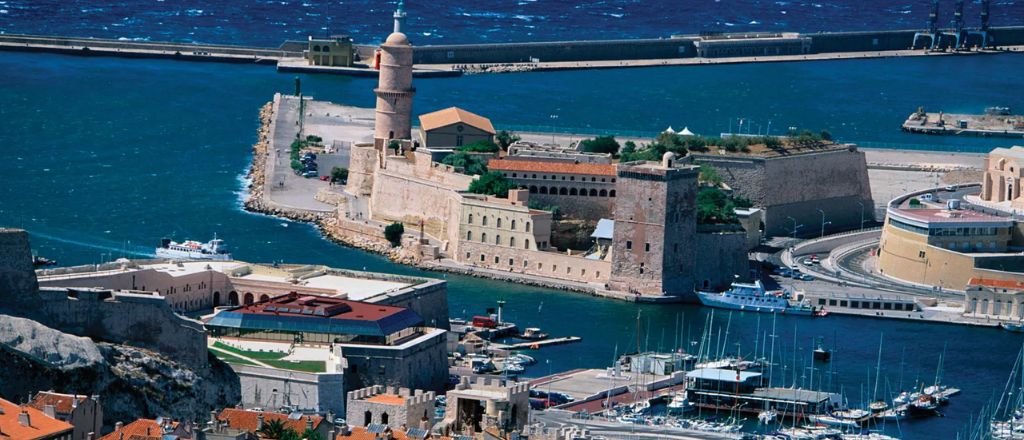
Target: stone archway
(248, 298)
(216, 299)
(233, 298)
(264, 297)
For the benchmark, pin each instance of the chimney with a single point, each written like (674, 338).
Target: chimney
(213, 417)
(24, 419)
(259, 422)
(50, 411)
(118, 426)
(309, 423)
(90, 436)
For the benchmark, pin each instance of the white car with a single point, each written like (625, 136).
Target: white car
(928, 197)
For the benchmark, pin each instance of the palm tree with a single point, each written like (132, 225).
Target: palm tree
(273, 429)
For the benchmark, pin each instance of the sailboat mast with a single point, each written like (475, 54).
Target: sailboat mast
(878, 365)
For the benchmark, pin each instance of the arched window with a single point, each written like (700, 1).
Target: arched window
(563, 192)
(367, 418)
(572, 191)
(469, 235)
(527, 245)
(248, 297)
(583, 193)
(603, 193)
(533, 189)
(216, 299)
(512, 241)
(497, 239)
(326, 48)
(483, 237)
(485, 220)
(527, 226)
(543, 190)
(593, 193)
(383, 418)
(232, 298)
(470, 219)
(264, 297)
(611, 193)
(513, 225)
(316, 48)
(499, 222)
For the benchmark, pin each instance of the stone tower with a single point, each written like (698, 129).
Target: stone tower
(653, 246)
(394, 91)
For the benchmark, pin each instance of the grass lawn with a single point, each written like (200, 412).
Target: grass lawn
(230, 359)
(306, 366)
(258, 355)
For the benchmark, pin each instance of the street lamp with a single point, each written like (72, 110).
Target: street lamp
(823, 223)
(861, 213)
(553, 117)
(795, 227)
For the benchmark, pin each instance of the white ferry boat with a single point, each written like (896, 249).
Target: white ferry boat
(193, 250)
(754, 298)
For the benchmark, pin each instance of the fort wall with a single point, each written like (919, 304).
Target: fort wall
(546, 264)
(721, 254)
(272, 388)
(798, 185)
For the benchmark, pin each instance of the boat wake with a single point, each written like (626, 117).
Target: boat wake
(111, 246)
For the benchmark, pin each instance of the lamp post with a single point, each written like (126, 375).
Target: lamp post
(823, 223)
(554, 117)
(795, 227)
(861, 213)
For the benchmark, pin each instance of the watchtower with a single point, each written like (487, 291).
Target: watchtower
(394, 91)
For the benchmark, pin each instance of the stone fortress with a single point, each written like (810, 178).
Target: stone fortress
(657, 251)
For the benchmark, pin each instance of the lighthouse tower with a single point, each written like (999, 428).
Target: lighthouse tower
(400, 16)
(394, 90)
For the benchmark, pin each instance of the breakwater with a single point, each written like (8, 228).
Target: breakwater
(744, 47)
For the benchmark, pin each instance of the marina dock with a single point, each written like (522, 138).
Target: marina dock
(989, 124)
(531, 345)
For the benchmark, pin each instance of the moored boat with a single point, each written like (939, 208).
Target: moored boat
(755, 298)
(924, 406)
(193, 250)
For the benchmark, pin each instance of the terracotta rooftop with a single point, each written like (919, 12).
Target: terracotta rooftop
(387, 399)
(361, 433)
(246, 420)
(294, 304)
(598, 169)
(455, 115)
(1003, 284)
(39, 424)
(142, 429)
(62, 403)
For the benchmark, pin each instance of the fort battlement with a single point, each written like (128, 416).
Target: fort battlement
(409, 396)
(492, 384)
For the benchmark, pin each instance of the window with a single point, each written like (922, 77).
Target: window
(513, 225)
(467, 255)
(525, 263)
(641, 268)
(496, 259)
(482, 258)
(458, 140)
(497, 239)
(510, 262)
(512, 241)
(483, 237)
(647, 247)
(527, 226)
(469, 235)
(540, 266)
(571, 178)
(629, 245)
(499, 222)
(485, 220)
(470, 219)
(527, 246)
(554, 267)
(920, 254)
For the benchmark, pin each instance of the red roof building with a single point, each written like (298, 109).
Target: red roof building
(82, 412)
(252, 421)
(27, 423)
(148, 429)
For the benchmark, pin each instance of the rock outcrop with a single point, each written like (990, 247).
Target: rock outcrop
(132, 382)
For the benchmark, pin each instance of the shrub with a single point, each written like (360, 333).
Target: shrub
(393, 233)
(469, 163)
(491, 183)
(709, 175)
(296, 165)
(600, 144)
(506, 138)
(715, 207)
(484, 146)
(339, 174)
(314, 138)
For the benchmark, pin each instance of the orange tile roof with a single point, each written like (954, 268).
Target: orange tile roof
(387, 399)
(141, 429)
(987, 282)
(40, 425)
(62, 403)
(598, 169)
(246, 420)
(453, 115)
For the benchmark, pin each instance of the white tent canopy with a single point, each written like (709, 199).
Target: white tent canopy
(669, 130)
(686, 132)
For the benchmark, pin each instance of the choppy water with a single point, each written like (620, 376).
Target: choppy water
(269, 22)
(99, 157)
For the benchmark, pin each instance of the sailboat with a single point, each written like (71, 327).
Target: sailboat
(878, 405)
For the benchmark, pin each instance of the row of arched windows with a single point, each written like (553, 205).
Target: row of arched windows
(483, 221)
(563, 191)
(497, 240)
(321, 48)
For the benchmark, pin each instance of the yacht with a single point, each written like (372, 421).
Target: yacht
(754, 298)
(193, 250)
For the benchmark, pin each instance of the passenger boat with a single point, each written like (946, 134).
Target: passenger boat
(924, 406)
(679, 404)
(755, 298)
(533, 334)
(193, 250)
(38, 261)
(1015, 328)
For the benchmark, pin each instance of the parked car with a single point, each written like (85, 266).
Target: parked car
(310, 173)
(928, 197)
(806, 277)
(325, 178)
(951, 188)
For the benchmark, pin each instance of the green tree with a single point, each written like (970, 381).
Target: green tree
(273, 429)
(600, 144)
(296, 165)
(628, 148)
(482, 146)
(469, 163)
(310, 434)
(393, 233)
(314, 138)
(339, 174)
(714, 207)
(394, 145)
(506, 138)
(491, 183)
(825, 135)
(290, 434)
(709, 175)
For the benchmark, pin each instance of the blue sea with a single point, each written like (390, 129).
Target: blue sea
(101, 157)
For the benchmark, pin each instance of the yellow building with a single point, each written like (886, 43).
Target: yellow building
(1003, 174)
(454, 127)
(946, 248)
(504, 222)
(335, 51)
(997, 299)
